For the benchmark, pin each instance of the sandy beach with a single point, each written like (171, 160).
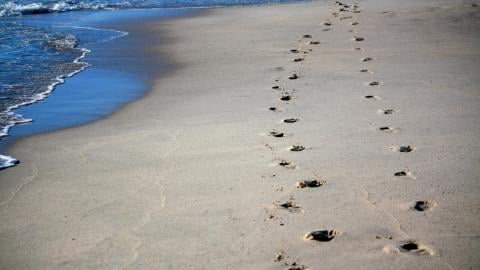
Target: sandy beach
(298, 136)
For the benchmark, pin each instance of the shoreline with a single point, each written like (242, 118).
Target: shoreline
(190, 175)
(74, 116)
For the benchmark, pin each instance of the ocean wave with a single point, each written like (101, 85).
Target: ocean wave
(11, 8)
(28, 7)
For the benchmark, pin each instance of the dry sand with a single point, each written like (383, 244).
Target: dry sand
(188, 176)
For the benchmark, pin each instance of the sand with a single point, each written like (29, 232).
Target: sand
(188, 177)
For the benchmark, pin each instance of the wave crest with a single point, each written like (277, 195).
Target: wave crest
(10, 9)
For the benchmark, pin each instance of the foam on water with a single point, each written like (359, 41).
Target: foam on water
(7, 162)
(27, 7)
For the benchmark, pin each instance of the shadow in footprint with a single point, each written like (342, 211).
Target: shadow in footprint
(366, 59)
(415, 247)
(286, 98)
(298, 267)
(404, 174)
(272, 108)
(290, 120)
(359, 39)
(298, 60)
(277, 134)
(424, 205)
(405, 149)
(311, 183)
(372, 97)
(314, 42)
(322, 236)
(402, 148)
(293, 77)
(387, 111)
(307, 36)
(374, 83)
(290, 205)
(297, 148)
(294, 51)
(287, 164)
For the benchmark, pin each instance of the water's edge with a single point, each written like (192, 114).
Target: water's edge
(119, 72)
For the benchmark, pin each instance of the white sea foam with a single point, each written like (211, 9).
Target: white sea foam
(7, 161)
(11, 8)
(118, 33)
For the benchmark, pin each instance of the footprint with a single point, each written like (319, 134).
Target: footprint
(307, 36)
(293, 77)
(405, 149)
(277, 134)
(359, 49)
(402, 149)
(325, 30)
(290, 205)
(276, 87)
(322, 236)
(297, 148)
(404, 173)
(286, 97)
(424, 205)
(290, 120)
(314, 42)
(298, 60)
(298, 267)
(294, 51)
(365, 71)
(359, 39)
(415, 247)
(354, 23)
(410, 246)
(374, 83)
(272, 108)
(287, 164)
(366, 59)
(372, 97)
(387, 111)
(387, 129)
(327, 24)
(311, 183)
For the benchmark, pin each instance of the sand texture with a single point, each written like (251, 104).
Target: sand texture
(200, 173)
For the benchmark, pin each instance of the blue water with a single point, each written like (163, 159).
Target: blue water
(44, 46)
